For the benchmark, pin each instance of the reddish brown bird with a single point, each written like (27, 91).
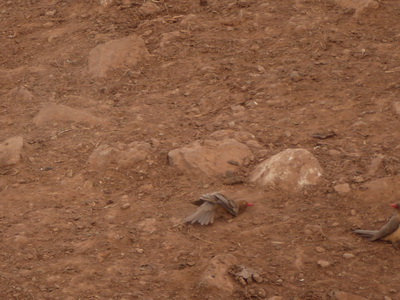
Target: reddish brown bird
(389, 232)
(211, 204)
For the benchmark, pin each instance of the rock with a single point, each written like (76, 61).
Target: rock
(396, 106)
(359, 6)
(48, 25)
(323, 263)
(56, 113)
(339, 295)
(319, 249)
(107, 3)
(334, 152)
(10, 151)
(169, 37)
(148, 225)
(103, 155)
(290, 170)
(254, 144)
(213, 158)
(376, 163)
(20, 94)
(244, 275)
(215, 279)
(315, 230)
(134, 152)
(122, 53)
(149, 8)
(258, 293)
(21, 240)
(295, 76)
(121, 155)
(125, 205)
(276, 298)
(348, 255)
(372, 190)
(342, 188)
(51, 13)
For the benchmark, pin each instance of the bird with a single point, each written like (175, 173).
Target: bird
(389, 232)
(214, 203)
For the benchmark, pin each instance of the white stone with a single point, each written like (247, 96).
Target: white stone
(290, 169)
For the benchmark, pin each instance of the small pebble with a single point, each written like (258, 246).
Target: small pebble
(125, 205)
(348, 255)
(261, 293)
(319, 249)
(50, 13)
(257, 278)
(295, 76)
(353, 212)
(323, 263)
(48, 25)
(342, 188)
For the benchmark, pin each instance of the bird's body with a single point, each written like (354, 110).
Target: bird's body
(210, 205)
(389, 232)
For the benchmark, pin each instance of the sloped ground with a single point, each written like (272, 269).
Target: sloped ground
(281, 70)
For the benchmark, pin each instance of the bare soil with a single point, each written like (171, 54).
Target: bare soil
(296, 67)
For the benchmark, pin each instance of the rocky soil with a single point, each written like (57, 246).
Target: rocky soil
(116, 114)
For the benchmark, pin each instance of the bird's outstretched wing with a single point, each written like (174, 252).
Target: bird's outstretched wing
(204, 214)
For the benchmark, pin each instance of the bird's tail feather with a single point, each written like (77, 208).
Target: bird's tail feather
(366, 233)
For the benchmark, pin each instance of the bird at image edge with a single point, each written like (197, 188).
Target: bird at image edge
(389, 232)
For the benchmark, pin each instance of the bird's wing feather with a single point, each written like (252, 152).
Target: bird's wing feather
(226, 203)
(387, 229)
(204, 214)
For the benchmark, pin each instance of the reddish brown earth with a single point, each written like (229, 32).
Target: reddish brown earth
(73, 231)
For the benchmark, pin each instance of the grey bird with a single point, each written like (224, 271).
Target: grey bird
(215, 203)
(389, 232)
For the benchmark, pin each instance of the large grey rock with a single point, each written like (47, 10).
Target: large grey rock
(290, 170)
(10, 151)
(212, 158)
(116, 54)
(57, 113)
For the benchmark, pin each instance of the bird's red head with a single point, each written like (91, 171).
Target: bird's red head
(395, 205)
(250, 204)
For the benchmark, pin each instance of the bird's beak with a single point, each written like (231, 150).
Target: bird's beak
(250, 204)
(394, 205)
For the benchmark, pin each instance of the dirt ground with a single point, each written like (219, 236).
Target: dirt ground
(296, 67)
